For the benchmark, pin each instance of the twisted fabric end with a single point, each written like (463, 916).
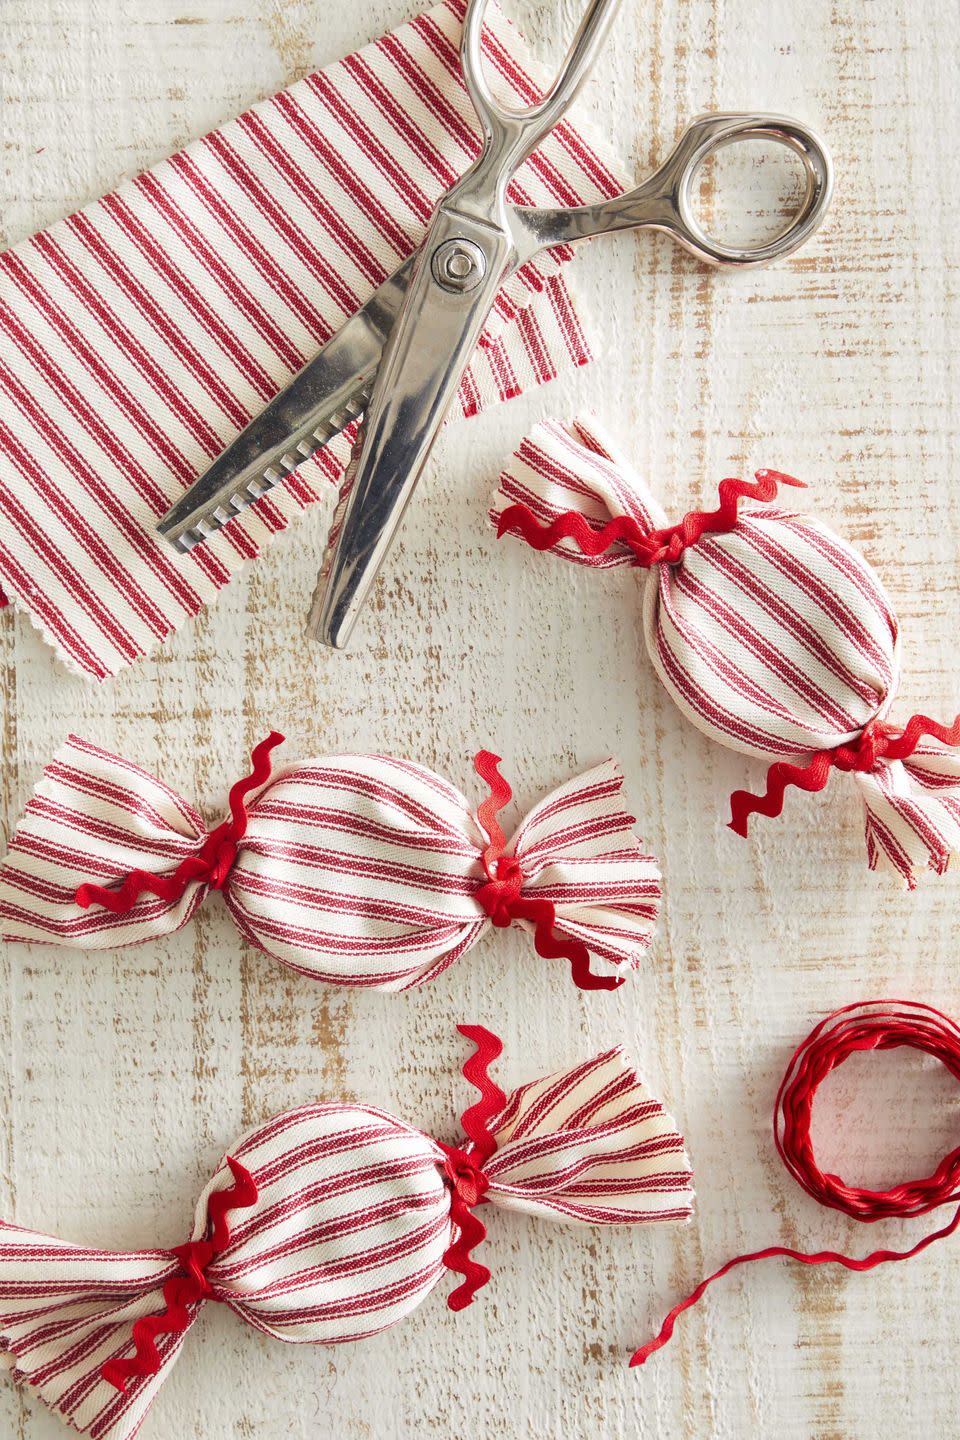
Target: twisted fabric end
(877, 743)
(502, 896)
(211, 866)
(649, 547)
(186, 1289)
(464, 1168)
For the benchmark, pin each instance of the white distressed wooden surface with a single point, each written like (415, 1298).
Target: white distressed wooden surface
(123, 1077)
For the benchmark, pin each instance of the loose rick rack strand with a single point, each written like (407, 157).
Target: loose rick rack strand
(875, 1025)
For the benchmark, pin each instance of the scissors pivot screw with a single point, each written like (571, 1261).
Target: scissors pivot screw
(459, 265)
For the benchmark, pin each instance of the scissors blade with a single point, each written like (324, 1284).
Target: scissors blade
(423, 362)
(320, 401)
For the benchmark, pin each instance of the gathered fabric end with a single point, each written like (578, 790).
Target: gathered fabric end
(187, 1289)
(65, 1311)
(211, 867)
(648, 547)
(464, 1168)
(590, 1145)
(910, 790)
(502, 896)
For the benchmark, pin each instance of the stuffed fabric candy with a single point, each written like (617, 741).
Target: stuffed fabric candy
(353, 870)
(771, 634)
(332, 1222)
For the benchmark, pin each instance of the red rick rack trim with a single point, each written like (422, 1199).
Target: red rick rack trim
(464, 1167)
(648, 547)
(878, 741)
(188, 1288)
(853, 1030)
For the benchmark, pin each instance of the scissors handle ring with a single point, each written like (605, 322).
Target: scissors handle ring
(705, 137)
(665, 201)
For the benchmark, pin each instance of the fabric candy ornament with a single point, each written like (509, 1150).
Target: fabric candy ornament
(352, 870)
(332, 1222)
(772, 634)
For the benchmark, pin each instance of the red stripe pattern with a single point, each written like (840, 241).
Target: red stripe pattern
(352, 870)
(346, 1235)
(773, 635)
(139, 336)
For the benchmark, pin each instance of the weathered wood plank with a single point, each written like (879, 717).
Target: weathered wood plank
(122, 1077)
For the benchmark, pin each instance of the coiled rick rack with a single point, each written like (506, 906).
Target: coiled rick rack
(875, 1025)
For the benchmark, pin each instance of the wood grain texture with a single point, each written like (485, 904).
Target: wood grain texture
(122, 1077)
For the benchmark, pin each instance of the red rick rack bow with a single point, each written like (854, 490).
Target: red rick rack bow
(771, 634)
(505, 899)
(330, 1223)
(352, 869)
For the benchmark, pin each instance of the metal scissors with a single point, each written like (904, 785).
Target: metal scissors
(399, 360)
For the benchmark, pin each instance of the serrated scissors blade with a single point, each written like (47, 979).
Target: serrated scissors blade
(320, 401)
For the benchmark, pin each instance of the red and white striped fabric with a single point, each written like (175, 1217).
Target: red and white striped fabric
(352, 870)
(770, 632)
(342, 1232)
(139, 336)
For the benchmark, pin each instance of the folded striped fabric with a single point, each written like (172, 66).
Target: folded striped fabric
(770, 632)
(139, 336)
(332, 1222)
(352, 870)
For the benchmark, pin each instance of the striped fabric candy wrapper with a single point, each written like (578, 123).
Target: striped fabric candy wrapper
(770, 632)
(139, 336)
(352, 870)
(332, 1222)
